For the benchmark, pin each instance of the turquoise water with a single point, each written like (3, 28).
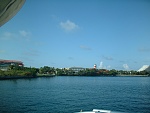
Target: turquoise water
(70, 94)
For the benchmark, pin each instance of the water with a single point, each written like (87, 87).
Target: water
(71, 94)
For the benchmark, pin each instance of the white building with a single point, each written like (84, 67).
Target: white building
(144, 68)
(76, 69)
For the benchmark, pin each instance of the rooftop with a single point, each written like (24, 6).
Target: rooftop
(144, 68)
(10, 61)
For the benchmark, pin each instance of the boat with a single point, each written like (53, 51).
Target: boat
(95, 111)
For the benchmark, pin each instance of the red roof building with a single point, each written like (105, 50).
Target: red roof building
(4, 64)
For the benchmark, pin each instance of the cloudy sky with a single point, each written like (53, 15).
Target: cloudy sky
(114, 34)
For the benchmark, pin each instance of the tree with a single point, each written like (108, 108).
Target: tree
(113, 72)
(47, 70)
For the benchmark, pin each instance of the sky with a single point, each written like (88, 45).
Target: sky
(113, 34)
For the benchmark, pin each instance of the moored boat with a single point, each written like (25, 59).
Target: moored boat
(95, 111)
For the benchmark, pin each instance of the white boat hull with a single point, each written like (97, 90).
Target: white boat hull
(95, 111)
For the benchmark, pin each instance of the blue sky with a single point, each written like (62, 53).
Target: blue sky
(114, 34)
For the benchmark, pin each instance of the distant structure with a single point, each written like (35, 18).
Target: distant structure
(144, 68)
(76, 69)
(4, 64)
(95, 66)
(101, 65)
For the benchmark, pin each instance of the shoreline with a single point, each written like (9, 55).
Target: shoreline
(23, 77)
(133, 75)
(40, 76)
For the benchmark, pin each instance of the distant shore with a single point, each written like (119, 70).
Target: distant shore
(46, 75)
(23, 77)
(133, 75)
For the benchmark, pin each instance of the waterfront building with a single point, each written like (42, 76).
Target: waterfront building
(76, 69)
(145, 68)
(5, 64)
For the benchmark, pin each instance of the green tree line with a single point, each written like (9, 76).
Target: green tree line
(14, 70)
(17, 71)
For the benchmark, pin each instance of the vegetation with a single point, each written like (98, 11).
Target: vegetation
(17, 71)
(47, 70)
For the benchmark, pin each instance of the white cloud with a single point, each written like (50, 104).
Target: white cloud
(125, 66)
(7, 36)
(68, 25)
(17, 35)
(24, 33)
(101, 65)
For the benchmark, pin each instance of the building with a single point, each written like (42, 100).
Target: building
(145, 68)
(76, 69)
(95, 66)
(5, 64)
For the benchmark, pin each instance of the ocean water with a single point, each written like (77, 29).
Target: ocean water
(68, 94)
